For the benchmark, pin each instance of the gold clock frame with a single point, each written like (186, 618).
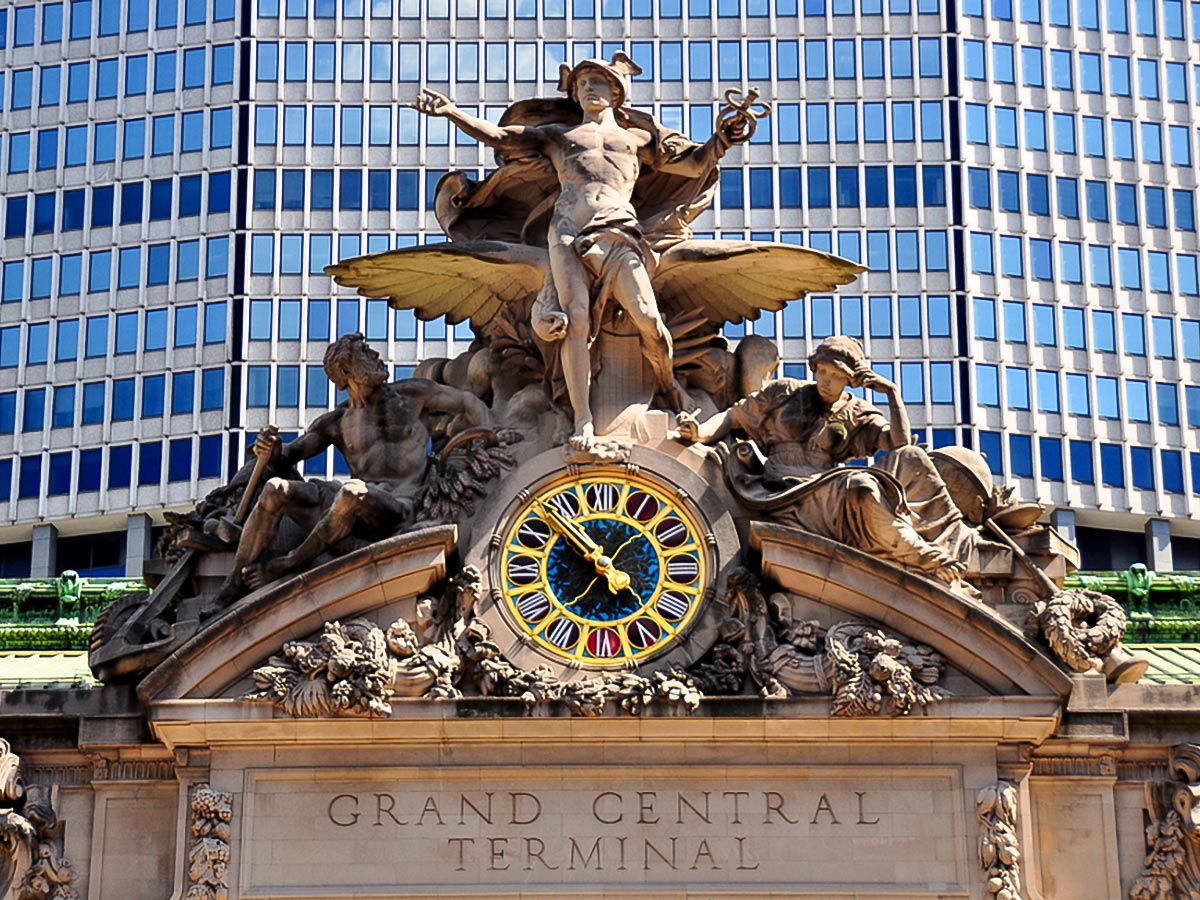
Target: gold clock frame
(693, 482)
(650, 621)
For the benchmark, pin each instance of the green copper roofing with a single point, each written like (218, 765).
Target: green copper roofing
(1169, 663)
(1162, 607)
(56, 613)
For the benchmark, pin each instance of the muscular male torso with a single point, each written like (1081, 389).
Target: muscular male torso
(598, 166)
(384, 442)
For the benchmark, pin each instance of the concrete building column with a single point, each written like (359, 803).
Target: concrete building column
(1063, 521)
(43, 561)
(138, 544)
(1158, 546)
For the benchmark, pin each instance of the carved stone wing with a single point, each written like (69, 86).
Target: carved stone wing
(734, 280)
(459, 280)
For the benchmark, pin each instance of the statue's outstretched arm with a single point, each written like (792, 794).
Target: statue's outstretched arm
(735, 124)
(315, 439)
(698, 159)
(712, 429)
(432, 103)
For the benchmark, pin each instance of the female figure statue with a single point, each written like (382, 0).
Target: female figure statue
(897, 508)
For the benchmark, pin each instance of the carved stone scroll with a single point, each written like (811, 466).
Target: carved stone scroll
(208, 856)
(49, 876)
(1172, 867)
(30, 834)
(996, 809)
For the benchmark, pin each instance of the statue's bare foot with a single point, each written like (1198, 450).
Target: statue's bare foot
(229, 592)
(584, 437)
(258, 574)
(949, 572)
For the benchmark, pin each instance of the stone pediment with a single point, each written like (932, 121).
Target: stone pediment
(972, 637)
(984, 656)
(246, 635)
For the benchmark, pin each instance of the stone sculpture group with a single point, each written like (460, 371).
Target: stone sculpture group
(597, 319)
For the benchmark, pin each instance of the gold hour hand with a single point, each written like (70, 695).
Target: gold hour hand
(577, 535)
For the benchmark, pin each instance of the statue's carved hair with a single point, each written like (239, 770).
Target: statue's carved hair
(340, 356)
(844, 352)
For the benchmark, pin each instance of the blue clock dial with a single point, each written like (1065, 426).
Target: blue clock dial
(604, 568)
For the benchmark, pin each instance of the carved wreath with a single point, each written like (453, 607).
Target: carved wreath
(1081, 627)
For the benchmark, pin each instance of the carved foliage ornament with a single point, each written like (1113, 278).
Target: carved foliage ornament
(29, 828)
(1172, 867)
(996, 809)
(355, 668)
(208, 856)
(869, 671)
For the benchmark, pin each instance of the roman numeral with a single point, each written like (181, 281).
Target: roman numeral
(643, 633)
(533, 533)
(683, 569)
(523, 570)
(603, 643)
(533, 607)
(641, 506)
(602, 496)
(672, 605)
(566, 503)
(563, 634)
(671, 532)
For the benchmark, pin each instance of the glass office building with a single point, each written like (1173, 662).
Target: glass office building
(1019, 180)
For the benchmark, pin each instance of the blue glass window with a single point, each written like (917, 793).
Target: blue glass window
(1050, 455)
(819, 196)
(183, 392)
(29, 480)
(93, 403)
(1171, 462)
(1096, 193)
(33, 417)
(179, 459)
(149, 463)
(900, 50)
(1185, 209)
(1020, 455)
(1068, 197)
(814, 60)
(1082, 465)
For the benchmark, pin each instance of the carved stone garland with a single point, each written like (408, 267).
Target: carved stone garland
(1172, 867)
(208, 856)
(996, 809)
(355, 668)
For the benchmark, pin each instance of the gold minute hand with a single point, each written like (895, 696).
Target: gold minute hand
(577, 535)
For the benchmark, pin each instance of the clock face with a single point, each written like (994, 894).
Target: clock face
(603, 568)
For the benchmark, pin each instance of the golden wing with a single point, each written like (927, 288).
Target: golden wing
(459, 279)
(734, 280)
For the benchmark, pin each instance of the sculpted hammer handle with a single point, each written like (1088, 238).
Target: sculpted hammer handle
(260, 467)
(1042, 578)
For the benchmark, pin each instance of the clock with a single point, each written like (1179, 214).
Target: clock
(602, 567)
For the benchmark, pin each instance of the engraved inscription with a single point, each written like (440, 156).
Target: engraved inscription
(497, 828)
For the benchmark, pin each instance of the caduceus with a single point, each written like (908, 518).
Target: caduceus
(744, 111)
